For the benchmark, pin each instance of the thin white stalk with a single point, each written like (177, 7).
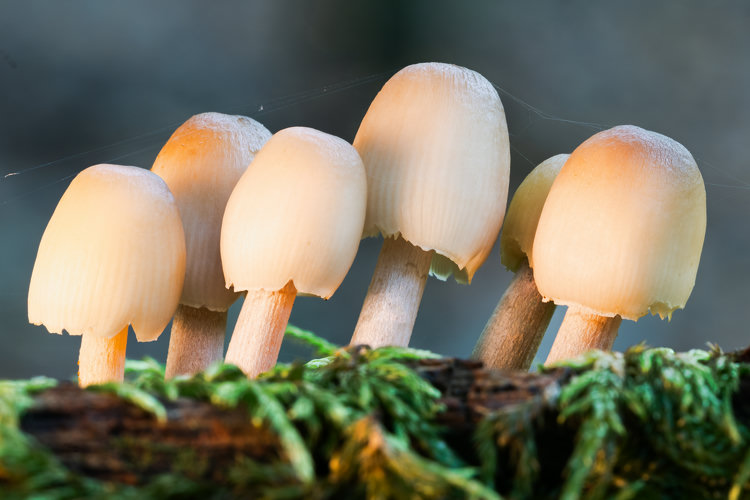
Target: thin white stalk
(102, 359)
(582, 331)
(513, 333)
(196, 340)
(390, 308)
(260, 327)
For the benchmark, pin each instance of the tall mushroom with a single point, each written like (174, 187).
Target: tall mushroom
(292, 225)
(434, 143)
(112, 255)
(201, 163)
(514, 331)
(620, 235)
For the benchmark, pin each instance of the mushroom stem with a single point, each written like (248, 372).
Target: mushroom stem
(196, 340)
(390, 308)
(582, 331)
(102, 359)
(513, 333)
(260, 328)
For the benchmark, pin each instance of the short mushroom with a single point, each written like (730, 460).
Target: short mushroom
(201, 163)
(112, 255)
(620, 235)
(513, 333)
(292, 225)
(434, 143)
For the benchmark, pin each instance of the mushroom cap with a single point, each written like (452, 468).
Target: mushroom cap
(623, 226)
(517, 237)
(201, 163)
(112, 254)
(295, 215)
(435, 146)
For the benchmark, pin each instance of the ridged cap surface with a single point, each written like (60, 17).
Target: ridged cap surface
(623, 226)
(295, 215)
(112, 254)
(435, 146)
(517, 237)
(201, 163)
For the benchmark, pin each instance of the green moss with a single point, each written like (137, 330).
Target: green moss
(649, 423)
(360, 423)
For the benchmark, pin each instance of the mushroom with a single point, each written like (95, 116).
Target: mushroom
(434, 143)
(201, 163)
(292, 225)
(620, 235)
(513, 333)
(112, 255)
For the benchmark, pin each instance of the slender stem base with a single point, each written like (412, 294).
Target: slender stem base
(102, 359)
(260, 327)
(390, 308)
(514, 331)
(196, 341)
(582, 331)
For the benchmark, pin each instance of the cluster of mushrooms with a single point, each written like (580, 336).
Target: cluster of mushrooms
(613, 230)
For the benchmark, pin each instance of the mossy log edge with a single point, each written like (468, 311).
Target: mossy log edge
(102, 436)
(108, 438)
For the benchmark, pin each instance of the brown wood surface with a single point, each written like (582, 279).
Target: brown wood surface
(105, 437)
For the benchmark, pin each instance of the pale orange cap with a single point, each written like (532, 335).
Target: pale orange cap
(201, 163)
(295, 215)
(623, 225)
(113, 254)
(435, 146)
(519, 228)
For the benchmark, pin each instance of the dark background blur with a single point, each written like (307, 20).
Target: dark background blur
(91, 82)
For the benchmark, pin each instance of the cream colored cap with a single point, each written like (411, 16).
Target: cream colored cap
(622, 229)
(201, 163)
(113, 254)
(517, 238)
(296, 214)
(435, 146)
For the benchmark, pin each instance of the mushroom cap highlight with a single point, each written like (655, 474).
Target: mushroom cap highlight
(295, 215)
(112, 254)
(435, 147)
(201, 163)
(517, 237)
(623, 226)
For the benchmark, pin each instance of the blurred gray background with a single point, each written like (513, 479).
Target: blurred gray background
(90, 82)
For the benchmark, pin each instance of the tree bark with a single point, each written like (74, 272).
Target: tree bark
(105, 437)
(102, 436)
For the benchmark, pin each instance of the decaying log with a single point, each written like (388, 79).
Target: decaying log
(102, 436)
(108, 438)
(469, 391)
(105, 437)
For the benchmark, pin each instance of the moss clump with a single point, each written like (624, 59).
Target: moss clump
(649, 423)
(362, 423)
